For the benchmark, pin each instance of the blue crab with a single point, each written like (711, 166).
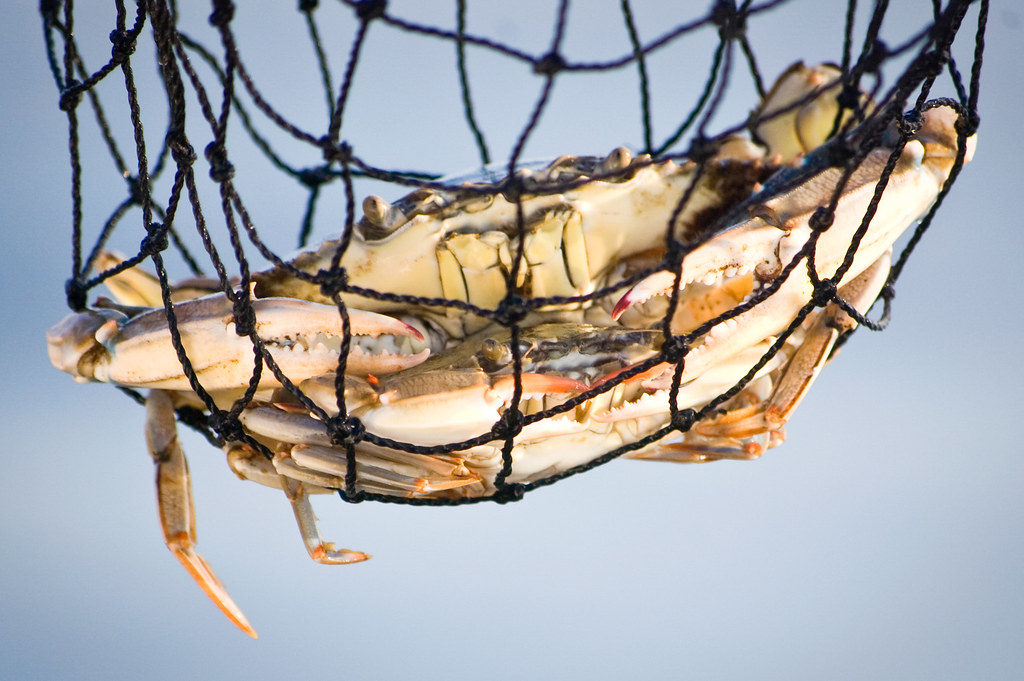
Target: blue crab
(427, 374)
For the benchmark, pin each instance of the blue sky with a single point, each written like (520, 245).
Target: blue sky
(883, 540)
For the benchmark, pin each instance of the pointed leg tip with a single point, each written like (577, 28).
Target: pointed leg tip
(208, 581)
(328, 555)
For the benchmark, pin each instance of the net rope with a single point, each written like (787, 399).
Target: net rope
(235, 95)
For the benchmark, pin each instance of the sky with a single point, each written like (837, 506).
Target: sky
(882, 540)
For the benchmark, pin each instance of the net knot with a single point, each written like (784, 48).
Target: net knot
(345, 431)
(824, 292)
(849, 96)
(550, 64)
(71, 95)
(512, 188)
(683, 419)
(933, 60)
(77, 293)
(155, 240)
(137, 192)
(509, 493)
(342, 153)
(332, 282)
(314, 177)
(732, 24)
(702, 149)
(876, 56)
(123, 45)
(368, 10)
(674, 349)
(221, 170)
(967, 124)
(181, 150)
(821, 219)
(223, 13)
(910, 123)
(509, 425)
(245, 316)
(227, 426)
(511, 310)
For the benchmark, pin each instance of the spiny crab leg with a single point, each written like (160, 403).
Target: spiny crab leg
(177, 513)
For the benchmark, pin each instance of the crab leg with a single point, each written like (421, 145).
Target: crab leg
(746, 432)
(813, 353)
(816, 349)
(319, 550)
(174, 498)
(249, 465)
(137, 287)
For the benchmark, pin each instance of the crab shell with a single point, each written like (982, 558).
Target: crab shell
(460, 245)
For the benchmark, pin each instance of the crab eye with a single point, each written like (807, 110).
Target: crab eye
(493, 355)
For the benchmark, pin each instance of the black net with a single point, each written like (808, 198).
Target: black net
(194, 211)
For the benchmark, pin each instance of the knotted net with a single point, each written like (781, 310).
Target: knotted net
(186, 213)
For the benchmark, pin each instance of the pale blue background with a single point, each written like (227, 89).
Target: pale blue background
(884, 540)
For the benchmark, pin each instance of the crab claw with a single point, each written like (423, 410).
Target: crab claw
(304, 328)
(303, 338)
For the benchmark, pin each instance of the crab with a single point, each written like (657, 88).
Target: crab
(433, 371)
(581, 223)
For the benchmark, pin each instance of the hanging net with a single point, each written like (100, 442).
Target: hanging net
(469, 338)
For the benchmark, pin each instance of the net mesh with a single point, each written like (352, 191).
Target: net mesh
(208, 97)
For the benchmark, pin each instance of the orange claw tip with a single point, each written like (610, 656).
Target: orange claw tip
(326, 553)
(204, 576)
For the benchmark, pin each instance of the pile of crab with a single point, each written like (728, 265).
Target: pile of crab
(531, 326)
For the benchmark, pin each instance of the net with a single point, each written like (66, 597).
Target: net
(207, 95)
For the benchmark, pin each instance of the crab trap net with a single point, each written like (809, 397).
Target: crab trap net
(670, 292)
